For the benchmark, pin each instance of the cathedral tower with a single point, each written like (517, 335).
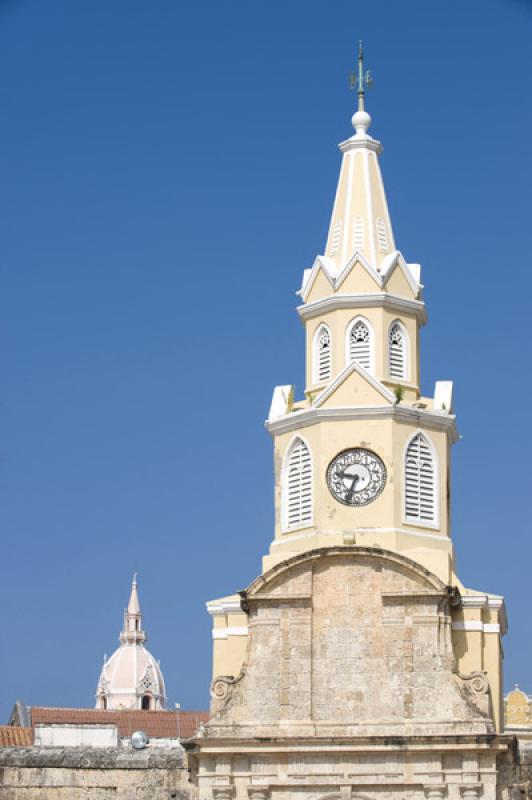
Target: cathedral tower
(131, 678)
(359, 636)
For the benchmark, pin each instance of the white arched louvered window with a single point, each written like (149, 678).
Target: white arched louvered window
(420, 482)
(297, 486)
(322, 354)
(359, 343)
(397, 351)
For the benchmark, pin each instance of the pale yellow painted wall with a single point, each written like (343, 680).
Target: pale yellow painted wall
(380, 319)
(388, 438)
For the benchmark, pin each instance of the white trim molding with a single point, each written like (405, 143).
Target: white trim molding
(303, 418)
(223, 633)
(477, 626)
(391, 302)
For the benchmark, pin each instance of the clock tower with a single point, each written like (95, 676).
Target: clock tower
(359, 630)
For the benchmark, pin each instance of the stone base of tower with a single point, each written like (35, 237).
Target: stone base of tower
(350, 688)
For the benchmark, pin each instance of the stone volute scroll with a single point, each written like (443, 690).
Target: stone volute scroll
(221, 691)
(475, 688)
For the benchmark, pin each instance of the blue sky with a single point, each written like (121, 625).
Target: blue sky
(168, 171)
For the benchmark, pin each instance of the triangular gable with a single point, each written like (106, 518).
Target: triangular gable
(397, 277)
(395, 274)
(354, 386)
(322, 266)
(358, 276)
(322, 286)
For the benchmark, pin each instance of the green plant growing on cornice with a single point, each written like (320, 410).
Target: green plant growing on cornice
(399, 393)
(290, 401)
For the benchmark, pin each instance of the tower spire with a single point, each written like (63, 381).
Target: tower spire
(132, 632)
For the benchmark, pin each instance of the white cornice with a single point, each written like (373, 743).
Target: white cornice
(414, 416)
(481, 601)
(491, 601)
(219, 607)
(377, 299)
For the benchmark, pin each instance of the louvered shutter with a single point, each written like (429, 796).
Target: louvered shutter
(323, 355)
(382, 235)
(420, 500)
(358, 233)
(335, 239)
(397, 352)
(298, 486)
(360, 344)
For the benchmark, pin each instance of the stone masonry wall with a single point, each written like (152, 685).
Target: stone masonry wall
(79, 773)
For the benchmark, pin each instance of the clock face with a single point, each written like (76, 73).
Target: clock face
(356, 477)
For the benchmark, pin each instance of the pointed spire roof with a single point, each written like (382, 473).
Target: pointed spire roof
(134, 605)
(360, 219)
(132, 632)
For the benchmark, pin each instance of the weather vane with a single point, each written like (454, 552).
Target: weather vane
(360, 80)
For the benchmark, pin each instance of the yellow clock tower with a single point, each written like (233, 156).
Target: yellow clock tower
(362, 476)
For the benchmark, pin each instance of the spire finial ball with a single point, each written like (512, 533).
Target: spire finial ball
(361, 121)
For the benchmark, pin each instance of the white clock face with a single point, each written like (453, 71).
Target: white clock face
(356, 477)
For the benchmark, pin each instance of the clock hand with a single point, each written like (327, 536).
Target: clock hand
(351, 489)
(345, 474)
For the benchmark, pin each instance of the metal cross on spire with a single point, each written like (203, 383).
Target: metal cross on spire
(360, 80)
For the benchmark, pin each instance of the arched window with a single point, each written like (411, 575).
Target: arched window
(297, 486)
(146, 702)
(359, 343)
(397, 351)
(322, 354)
(420, 482)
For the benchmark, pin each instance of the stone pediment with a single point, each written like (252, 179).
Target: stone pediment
(349, 641)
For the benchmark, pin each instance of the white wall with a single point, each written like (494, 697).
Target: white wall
(76, 735)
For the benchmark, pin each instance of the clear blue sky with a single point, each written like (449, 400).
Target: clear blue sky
(167, 172)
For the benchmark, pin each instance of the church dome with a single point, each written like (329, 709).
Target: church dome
(131, 677)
